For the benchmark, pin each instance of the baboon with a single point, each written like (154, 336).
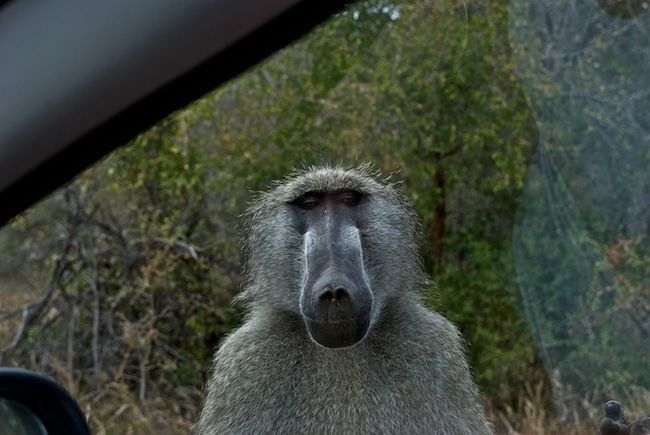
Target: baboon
(614, 422)
(336, 340)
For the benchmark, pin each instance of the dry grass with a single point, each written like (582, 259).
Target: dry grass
(533, 417)
(118, 411)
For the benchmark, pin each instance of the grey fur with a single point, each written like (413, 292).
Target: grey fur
(409, 375)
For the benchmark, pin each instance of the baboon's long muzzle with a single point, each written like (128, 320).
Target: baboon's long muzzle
(336, 299)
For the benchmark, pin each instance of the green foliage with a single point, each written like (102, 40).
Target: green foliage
(582, 236)
(427, 89)
(477, 294)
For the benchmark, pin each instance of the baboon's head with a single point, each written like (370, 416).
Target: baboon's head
(333, 246)
(614, 410)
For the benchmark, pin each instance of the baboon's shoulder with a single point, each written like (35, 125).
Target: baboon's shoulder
(250, 378)
(257, 343)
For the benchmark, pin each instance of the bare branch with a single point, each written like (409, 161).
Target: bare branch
(32, 311)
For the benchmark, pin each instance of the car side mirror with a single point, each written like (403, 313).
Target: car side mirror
(32, 404)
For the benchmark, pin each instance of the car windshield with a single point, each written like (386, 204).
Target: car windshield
(520, 132)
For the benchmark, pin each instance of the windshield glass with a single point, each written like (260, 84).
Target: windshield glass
(582, 237)
(518, 130)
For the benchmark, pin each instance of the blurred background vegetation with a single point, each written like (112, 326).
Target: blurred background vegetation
(119, 284)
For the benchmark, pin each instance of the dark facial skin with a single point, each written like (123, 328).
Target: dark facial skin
(614, 410)
(336, 299)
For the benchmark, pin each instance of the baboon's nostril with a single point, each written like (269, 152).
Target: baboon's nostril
(341, 294)
(327, 296)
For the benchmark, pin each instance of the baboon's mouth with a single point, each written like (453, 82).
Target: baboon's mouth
(338, 333)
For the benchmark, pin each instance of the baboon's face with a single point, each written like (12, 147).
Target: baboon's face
(333, 246)
(613, 409)
(335, 298)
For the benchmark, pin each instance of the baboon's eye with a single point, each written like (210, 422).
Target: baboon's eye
(308, 201)
(350, 197)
